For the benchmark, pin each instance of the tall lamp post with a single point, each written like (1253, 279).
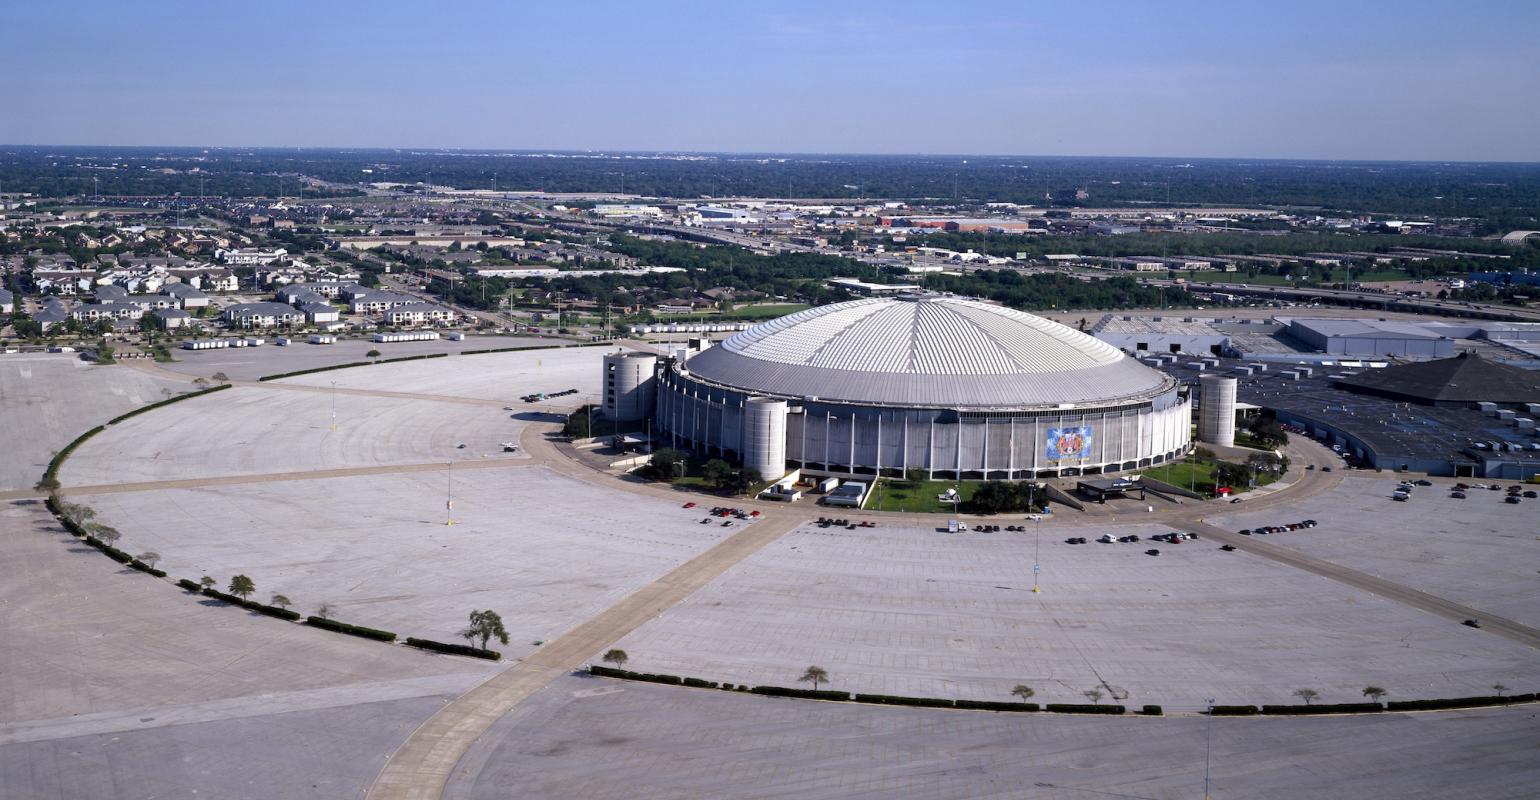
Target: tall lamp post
(449, 497)
(334, 406)
(1037, 565)
(1208, 748)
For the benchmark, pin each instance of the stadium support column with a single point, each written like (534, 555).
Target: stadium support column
(764, 437)
(1216, 410)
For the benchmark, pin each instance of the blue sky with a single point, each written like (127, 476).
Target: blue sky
(1287, 79)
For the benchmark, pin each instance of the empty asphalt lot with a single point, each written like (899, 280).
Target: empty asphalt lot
(115, 670)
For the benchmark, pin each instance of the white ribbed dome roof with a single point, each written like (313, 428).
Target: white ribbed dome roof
(925, 350)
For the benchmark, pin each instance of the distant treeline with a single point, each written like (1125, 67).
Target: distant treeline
(1505, 196)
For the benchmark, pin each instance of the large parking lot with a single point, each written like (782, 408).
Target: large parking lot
(915, 612)
(543, 550)
(261, 430)
(250, 363)
(1479, 551)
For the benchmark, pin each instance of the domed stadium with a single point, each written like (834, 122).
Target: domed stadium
(956, 387)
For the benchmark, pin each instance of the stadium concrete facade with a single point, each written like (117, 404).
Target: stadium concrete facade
(955, 387)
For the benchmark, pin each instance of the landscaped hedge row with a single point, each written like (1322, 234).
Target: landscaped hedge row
(1338, 708)
(532, 347)
(997, 705)
(418, 357)
(1081, 708)
(143, 567)
(52, 473)
(252, 605)
(189, 585)
(1234, 711)
(454, 649)
(1152, 711)
(348, 365)
(805, 694)
(351, 630)
(1458, 702)
(893, 700)
(112, 552)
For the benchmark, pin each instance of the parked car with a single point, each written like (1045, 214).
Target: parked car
(1474, 623)
(1513, 498)
(1457, 494)
(1227, 547)
(1152, 552)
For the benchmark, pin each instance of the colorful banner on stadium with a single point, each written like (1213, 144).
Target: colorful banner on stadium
(1068, 443)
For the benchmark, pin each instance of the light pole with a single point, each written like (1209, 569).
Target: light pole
(1208, 748)
(1037, 566)
(449, 497)
(334, 406)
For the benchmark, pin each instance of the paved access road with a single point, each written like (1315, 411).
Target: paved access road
(421, 768)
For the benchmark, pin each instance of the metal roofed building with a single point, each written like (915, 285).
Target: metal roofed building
(958, 388)
(1352, 337)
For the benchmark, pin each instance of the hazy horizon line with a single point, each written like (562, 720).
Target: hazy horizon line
(790, 153)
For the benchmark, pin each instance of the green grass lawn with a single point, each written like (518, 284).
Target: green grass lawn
(1198, 476)
(921, 497)
(747, 313)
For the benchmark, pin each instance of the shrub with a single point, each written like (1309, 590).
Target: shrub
(1152, 711)
(1080, 708)
(607, 672)
(1338, 708)
(806, 694)
(893, 700)
(699, 684)
(454, 649)
(274, 611)
(1234, 711)
(995, 705)
(190, 585)
(1451, 702)
(671, 680)
(351, 630)
(314, 369)
(143, 567)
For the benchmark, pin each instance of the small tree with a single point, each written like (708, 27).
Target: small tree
(1094, 695)
(914, 476)
(1306, 695)
(282, 601)
(1024, 692)
(221, 377)
(1374, 693)
(664, 463)
(74, 512)
(485, 625)
(1499, 688)
(617, 657)
(105, 534)
(149, 557)
(242, 586)
(206, 582)
(325, 611)
(717, 473)
(815, 675)
(47, 483)
(372, 354)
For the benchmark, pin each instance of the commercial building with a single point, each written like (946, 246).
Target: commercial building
(1356, 337)
(262, 315)
(954, 387)
(417, 314)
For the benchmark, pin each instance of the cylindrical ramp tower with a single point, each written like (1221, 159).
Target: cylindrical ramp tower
(630, 388)
(1216, 410)
(764, 437)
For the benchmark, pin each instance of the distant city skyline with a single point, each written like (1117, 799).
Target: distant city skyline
(1419, 81)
